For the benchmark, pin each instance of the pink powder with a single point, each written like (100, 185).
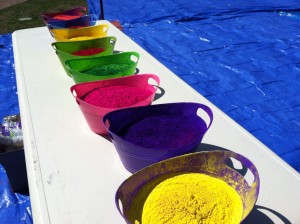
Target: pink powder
(87, 52)
(116, 96)
(65, 17)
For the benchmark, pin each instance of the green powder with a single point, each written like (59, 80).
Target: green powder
(107, 70)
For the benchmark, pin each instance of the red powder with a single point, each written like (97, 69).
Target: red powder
(87, 52)
(116, 96)
(65, 17)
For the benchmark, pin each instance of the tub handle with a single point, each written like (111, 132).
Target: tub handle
(134, 57)
(245, 162)
(113, 40)
(50, 26)
(74, 94)
(54, 46)
(93, 18)
(155, 78)
(209, 113)
(254, 187)
(73, 91)
(105, 28)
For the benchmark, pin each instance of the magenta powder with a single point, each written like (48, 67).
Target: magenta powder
(65, 17)
(88, 52)
(165, 131)
(116, 96)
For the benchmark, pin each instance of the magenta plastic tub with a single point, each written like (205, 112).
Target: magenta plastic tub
(94, 114)
(77, 12)
(83, 21)
(136, 156)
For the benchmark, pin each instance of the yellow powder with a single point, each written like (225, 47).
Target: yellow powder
(192, 198)
(82, 38)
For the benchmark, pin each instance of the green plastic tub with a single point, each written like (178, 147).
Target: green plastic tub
(64, 50)
(103, 67)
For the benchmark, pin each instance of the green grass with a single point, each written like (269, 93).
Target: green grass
(10, 16)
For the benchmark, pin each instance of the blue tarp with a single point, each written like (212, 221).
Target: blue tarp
(243, 56)
(14, 208)
(8, 89)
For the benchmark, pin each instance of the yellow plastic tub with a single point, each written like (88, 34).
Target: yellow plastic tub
(77, 34)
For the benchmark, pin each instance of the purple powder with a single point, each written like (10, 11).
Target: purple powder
(165, 131)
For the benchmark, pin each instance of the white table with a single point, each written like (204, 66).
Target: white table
(73, 173)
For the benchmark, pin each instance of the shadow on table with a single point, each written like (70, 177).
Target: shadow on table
(257, 215)
(159, 93)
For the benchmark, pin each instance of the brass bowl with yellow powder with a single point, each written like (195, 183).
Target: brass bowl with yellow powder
(200, 187)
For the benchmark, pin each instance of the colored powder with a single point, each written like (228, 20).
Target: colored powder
(82, 38)
(116, 96)
(165, 131)
(87, 52)
(65, 17)
(107, 70)
(192, 198)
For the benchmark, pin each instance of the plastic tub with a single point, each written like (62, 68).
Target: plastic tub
(83, 21)
(135, 156)
(94, 114)
(64, 50)
(76, 12)
(78, 67)
(76, 34)
(212, 163)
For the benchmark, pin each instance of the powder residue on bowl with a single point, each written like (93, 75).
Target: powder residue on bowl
(116, 96)
(164, 131)
(192, 198)
(107, 70)
(65, 17)
(88, 52)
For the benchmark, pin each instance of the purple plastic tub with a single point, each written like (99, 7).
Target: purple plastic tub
(212, 163)
(135, 156)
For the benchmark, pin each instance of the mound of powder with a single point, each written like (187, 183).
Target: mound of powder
(116, 96)
(82, 38)
(165, 131)
(107, 70)
(65, 17)
(87, 52)
(192, 198)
